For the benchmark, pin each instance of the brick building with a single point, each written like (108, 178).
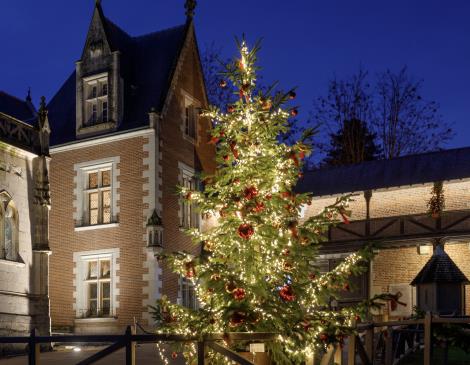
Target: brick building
(126, 132)
(24, 214)
(389, 208)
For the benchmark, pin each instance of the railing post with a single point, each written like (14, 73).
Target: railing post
(201, 352)
(427, 338)
(130, 347)
(338, 356)
(34, 349)
(389, 346)
(369, 343)
(351, 349)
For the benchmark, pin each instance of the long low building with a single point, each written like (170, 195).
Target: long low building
(390, 209)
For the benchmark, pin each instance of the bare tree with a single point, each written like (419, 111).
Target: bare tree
(213, 68)
(394, 112)
(404, 122)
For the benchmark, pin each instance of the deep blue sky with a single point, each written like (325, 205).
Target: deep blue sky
(306, 42)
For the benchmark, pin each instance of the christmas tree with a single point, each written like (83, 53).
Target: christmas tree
(256, 271)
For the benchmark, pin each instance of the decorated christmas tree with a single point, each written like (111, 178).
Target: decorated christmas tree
(256, 271)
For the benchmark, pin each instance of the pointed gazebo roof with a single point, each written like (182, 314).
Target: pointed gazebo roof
(440, 269)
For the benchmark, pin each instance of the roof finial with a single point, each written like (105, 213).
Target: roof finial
(97, 2)
(190, 5)
(28, 96)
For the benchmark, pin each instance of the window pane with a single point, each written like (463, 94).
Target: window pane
(93, 92)
(92, 180)
(106, 308)
(105, 291)
(93, 207)
(105, 89)
(92, 270)
(105, 268)
(106, 178)
(92, 291)
(93, 201)
(8, 230)
(106, 201)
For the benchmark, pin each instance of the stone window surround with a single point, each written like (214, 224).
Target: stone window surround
(189, 100)
(79, 202)
(80, 295)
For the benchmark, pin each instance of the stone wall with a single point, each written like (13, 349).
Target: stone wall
(23, 299)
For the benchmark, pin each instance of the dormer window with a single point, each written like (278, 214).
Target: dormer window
(96, 100)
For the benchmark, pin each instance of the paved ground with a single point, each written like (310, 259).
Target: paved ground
(145, 354)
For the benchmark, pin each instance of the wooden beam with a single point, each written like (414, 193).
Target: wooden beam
(232, 355)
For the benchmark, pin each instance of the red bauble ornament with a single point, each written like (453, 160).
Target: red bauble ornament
(174, 355)
(293, 157)
(285, 252)
(346, 287)
(286, 194)
(213, 140)
(237, 319)
(294, 112)
(223, 84)
(250, 192)
(233, 144)
(239, 294)
(190, 269)
(286, 293)
(266, 104)
(312, 276)
(259, 207)
(230, 108)
(268, 197)
(292, 95)
(226, 157)
(188, 196)
(323, 337)
(245, 231)
(300, 175)
(301, 155)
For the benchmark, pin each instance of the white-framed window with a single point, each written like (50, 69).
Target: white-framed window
(96, 283)
(189, 214)
(96, 193)
(96, 99)
(98, 196)
(8, 228)
(187, 294)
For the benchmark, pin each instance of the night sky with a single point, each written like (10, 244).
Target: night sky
(306, 42)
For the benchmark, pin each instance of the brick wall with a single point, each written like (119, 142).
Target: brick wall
(128, 237)
(400, 201)
(175, 148)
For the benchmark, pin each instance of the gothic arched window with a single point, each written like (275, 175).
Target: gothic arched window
(8, 228)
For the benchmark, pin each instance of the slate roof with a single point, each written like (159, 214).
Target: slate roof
(407, 170)
(16, 108)
(149, 62)
(440, 269)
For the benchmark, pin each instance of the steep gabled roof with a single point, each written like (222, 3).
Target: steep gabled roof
(148, 69)
(16, 108)
(407, 170)
(440, 269)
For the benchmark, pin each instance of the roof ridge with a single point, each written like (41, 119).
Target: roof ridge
(158, 31)
(384, 160)
(12, 96)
